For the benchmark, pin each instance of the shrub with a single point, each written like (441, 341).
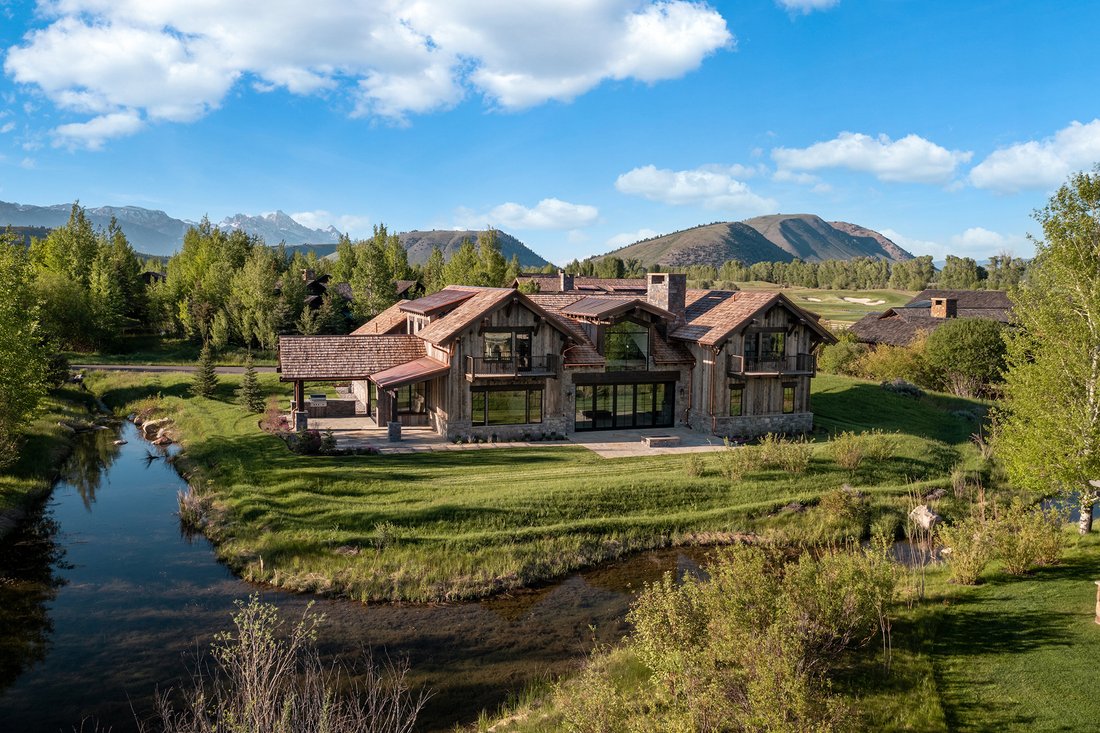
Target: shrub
(268, 676)
(793, 456)
(738, 460)
(971, 546)
(328, 443)
(843, 357)
(274, 419)
(1026, 537)
(306, 442)
(695, 466)
(848, 449)
(750, 648)
(966, 355)
(887, 363)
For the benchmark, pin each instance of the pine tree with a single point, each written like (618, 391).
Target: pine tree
(206, 379)
(250, 395)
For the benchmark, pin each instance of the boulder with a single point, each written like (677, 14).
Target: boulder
(924, 517)
(150, 428)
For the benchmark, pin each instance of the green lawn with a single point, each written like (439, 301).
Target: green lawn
(45, 445)
(831, 304)
(154, 350)
(465, 524)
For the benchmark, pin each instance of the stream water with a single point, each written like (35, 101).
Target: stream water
(103, 600)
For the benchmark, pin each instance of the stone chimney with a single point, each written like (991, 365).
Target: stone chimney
(565, 281)
(669, 291)
(945, 308)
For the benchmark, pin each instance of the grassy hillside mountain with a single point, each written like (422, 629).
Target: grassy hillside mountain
(420, 244)
(709, 244)
(777, 238)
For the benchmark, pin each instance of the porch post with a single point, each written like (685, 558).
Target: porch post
(301, 414)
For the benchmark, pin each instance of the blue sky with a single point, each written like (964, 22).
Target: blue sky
(576, 125)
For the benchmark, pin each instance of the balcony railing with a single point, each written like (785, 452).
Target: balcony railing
(512, 366)
(765, 365)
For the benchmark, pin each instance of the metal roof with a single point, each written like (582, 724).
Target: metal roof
(429, 304)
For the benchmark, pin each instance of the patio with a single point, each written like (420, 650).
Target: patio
(363, 432)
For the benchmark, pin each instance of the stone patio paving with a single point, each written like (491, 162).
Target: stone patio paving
(362, 432)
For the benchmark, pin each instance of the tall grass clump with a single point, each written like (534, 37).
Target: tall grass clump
(267, 677)
(789, 454)
(971, 543)
(1027, 536)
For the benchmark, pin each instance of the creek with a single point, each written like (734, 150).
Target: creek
(104, 599)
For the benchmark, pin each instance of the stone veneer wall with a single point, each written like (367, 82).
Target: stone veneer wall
(752, 426)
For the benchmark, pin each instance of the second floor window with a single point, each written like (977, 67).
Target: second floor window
(504, 346)
(626, 346)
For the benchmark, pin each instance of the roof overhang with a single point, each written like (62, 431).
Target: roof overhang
(411, 372)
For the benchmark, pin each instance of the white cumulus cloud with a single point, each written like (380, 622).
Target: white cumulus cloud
(1040, 164)
(351, 224)
(909, 159)
(625, 238)
(982, 243)
(806, 6)
(96, 131)
(549, 213)
(178, 59)
(711, 187)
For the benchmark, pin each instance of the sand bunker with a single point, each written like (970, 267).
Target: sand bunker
(814, 300)
(865, 301)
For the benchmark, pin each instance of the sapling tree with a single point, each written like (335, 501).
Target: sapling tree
(250, 395)
(1049, 424)
(206, 378)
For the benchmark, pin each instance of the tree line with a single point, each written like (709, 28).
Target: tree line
(1002, 272)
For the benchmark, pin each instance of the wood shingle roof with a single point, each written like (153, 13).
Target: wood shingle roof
(344, 357)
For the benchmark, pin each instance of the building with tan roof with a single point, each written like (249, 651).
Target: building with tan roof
(482, 362)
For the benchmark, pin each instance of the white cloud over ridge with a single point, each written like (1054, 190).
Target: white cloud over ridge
(1040, 164)
(625, 238)
(711, 187)
(550, 213)
(976, 242)
(806, 6)
(351, 224)
(909, 159)
(176, 60)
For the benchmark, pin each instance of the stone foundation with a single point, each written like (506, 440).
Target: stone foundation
(756, 425)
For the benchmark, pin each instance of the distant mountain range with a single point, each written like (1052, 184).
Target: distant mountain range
(777, 238)
(155, 233)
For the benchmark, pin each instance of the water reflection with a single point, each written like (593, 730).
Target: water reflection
(27, 584)
(94, 637)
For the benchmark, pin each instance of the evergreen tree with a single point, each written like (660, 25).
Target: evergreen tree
(462, 268)
(434, 272)
(206, 378)
(250, 395)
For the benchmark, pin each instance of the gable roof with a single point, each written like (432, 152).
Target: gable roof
(893, 327)
(601, 308)
(483, 302)
(964, 298)
(444, 299)
(713, 315)
(385, 322)
(414, 371)
(582, 284)
(344, 357)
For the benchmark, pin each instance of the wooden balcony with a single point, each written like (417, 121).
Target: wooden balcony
(511, 367)
(772, 366)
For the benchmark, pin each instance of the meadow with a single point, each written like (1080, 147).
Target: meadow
(460, 525)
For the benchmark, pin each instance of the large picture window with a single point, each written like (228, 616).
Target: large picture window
(506, 406)
(412, 399)
(626, 347)
(504, 346)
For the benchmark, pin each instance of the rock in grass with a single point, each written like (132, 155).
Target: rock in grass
(924, 517)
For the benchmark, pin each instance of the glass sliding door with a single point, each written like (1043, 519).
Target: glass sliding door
(603, 416)
(665, 407)
(586, 398)
(624, 405)
(643, 403)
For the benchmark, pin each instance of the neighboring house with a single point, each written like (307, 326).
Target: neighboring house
(563, 283)
(929, 310)
(409, 289)
(318, 285)
(472, 361)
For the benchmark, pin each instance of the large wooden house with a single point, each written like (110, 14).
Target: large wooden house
(471, 361)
